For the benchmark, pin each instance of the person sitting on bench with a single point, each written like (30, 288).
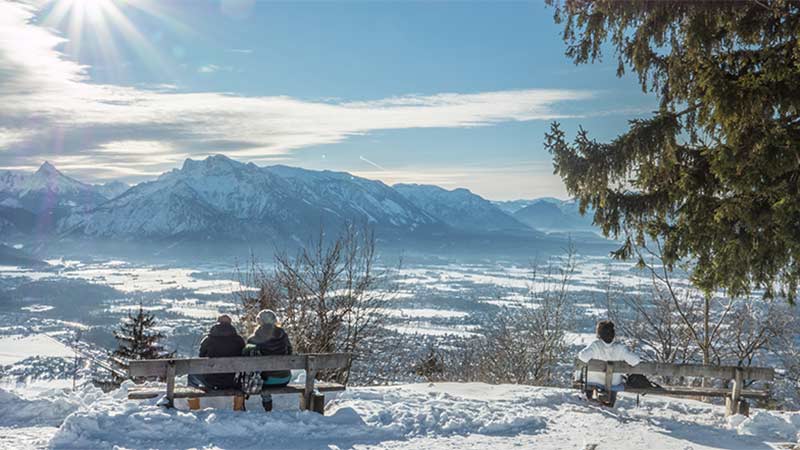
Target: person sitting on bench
(269, 339)
(222, 341)
(605, 349)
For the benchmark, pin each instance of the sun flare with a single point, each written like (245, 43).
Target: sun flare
(105, 23)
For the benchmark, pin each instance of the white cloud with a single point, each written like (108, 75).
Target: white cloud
(525, 179)
(51, 111)
(211, 68)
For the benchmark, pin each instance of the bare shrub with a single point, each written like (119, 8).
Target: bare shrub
(330, 296)
(675, 323)
(755, 328)
(653, 324)
(524, 342)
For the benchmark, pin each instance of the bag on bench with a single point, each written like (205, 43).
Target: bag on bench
(251, 383)
(638, 381)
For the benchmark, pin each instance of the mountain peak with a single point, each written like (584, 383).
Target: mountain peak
(218, 161)
(48, 169)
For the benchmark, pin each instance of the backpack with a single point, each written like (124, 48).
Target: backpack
(251, 383)
(639, 381)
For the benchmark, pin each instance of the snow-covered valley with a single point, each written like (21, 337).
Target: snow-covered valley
(45, 308)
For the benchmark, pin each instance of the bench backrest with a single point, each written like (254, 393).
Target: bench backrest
(684, 370)
(183, 366)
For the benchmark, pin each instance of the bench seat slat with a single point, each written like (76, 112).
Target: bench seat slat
(682, 370)
(690, 391)
(141, 393)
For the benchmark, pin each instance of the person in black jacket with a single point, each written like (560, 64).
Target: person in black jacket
(269, 339)
(222, 340)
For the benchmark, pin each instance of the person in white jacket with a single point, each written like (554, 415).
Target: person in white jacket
(605, 349)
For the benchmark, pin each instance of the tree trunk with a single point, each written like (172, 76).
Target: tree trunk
(706, 338)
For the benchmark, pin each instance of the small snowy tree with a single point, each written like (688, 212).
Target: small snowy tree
(138, 340)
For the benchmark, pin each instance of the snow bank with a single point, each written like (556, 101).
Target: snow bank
(771, 424)
(361, 416)
(430, 416)
(47, 407)
(445, 409)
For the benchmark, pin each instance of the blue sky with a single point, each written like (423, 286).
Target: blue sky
(456, 94)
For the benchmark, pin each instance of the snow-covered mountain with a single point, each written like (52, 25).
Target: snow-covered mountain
(512, 206)
(460, 208)
(111, 189)
(36, 202)
(219, 197)
(45, 190)
(550, 214)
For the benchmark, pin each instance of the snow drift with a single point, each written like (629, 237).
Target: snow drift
(433, 416)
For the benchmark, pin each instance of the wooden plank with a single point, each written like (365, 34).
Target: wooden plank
(145, 392)
(683, 370)
(158, 367)
(697, 391)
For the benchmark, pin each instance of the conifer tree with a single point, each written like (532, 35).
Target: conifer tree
(714, 173)
(137, 339)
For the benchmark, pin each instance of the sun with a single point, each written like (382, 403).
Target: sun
(93, 10)
(105, 22)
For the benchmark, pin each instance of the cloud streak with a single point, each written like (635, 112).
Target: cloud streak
(52, 111)
(523, 179)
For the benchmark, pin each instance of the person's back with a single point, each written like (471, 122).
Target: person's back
(222, 341)
(605, 349)
(269, 339)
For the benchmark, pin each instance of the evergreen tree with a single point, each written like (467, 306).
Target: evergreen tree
(714, 173)
(137, 340)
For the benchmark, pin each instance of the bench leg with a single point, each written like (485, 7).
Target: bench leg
(744, 408)
(171, 384)
(238, 403)
(318, 403)
(736, 407)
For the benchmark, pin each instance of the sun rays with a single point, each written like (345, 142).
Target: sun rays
(106, 24)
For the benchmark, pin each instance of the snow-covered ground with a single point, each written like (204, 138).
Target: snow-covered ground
(417, 416)
(16, 348)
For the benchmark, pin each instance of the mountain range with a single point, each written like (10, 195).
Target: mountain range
(220, 199)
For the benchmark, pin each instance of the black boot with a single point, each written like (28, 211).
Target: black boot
(267, 404)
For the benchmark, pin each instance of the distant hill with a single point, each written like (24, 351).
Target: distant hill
(10, 256)
(512, 206)
(460, 208)
(552, 215)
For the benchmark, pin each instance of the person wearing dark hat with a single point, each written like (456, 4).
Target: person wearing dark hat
(269, 338)
(221, 341)
(605, 349)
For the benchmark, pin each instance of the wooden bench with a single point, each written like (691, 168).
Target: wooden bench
(311, 392)
(734, 397)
